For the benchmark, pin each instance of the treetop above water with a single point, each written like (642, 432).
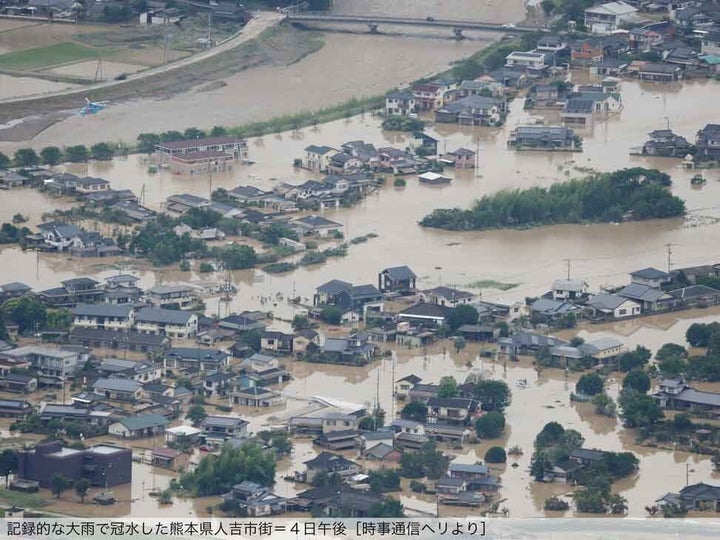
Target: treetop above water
(624, 195)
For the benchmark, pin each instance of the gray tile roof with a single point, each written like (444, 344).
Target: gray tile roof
(166, 316)
(144, 421)
(102, 310)
(650, 273)
(116, 385)
(334, 286)
(400, 273)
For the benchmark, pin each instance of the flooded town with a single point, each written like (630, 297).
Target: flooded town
(361, 259)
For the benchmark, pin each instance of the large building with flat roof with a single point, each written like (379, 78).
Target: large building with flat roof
(103, 464)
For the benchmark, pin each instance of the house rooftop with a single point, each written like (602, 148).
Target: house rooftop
(650, 273)
(400, 273)
(166, 316)
(116, 385)
(144, 421)
(194, 143)
(102, 310)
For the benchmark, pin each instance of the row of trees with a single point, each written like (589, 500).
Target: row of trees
(635, 193)
(146, 142)
(52, 155)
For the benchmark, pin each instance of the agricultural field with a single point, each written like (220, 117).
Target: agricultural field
(42, 57)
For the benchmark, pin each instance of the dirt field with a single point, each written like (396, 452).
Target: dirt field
(27, 36)
(276, 46)
(87, 70)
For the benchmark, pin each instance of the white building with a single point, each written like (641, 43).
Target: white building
(106, 316)
(568, 289)
(167, 322)
(606, 18)
(176, 296)
(527, 60)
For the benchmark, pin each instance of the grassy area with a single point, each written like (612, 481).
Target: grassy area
(24, 500)
(43, 57)
(491, 284)
(310, 118)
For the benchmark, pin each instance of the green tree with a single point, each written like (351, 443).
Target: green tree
(196, 414)
(387, 508)
(27, 311)
(550, 435)
(699, 335)
(76, 153)
(4, 161)
(415, 411)
(495, 454)
(459, 343)
(81, 488)
(374, 421)
(59, 319)
(238, 257)
(194, 133)
(218, 131)
(26, 157)
(589, 384)
(637, 380)
(50, 155)
(102, 151)
(301, 322)
(671, 350)
(634, 359)
(540, 466)
(639, 410)
(490, 425)
(331, 315)
(460, 315)
(217, 474)
(252, 338)
(493, 395)
(146, 142)
(448, 387)
(682, 422)
(467, 70)
(59, 484)
(8, 464)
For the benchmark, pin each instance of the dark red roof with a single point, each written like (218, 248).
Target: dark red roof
(194, 143)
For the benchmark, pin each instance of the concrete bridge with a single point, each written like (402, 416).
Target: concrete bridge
(373, 23)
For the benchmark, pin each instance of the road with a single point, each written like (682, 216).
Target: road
(261, 21)
(431, 23)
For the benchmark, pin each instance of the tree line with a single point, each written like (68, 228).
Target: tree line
(52, 155)
(627, 194)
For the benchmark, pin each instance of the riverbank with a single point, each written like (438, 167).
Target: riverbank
(265, 45)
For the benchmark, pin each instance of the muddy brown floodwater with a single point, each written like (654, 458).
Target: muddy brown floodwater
(532, 259)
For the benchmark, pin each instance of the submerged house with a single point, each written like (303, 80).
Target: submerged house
(663, 142)
(473, 111)
(544, 138)
(675, 394)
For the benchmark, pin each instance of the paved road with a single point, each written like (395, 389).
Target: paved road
(436, 23)
(261, 21)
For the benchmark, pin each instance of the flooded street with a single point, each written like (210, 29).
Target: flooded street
(602, 254)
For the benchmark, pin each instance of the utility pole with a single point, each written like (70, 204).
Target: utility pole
(669, 256)
(567, 264)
